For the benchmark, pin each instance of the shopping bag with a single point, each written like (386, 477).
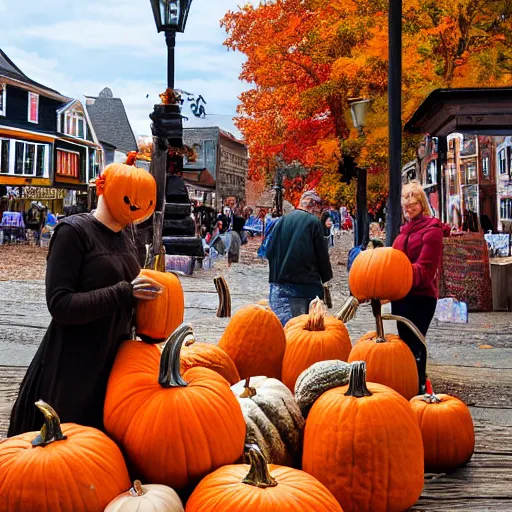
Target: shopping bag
(451, 310)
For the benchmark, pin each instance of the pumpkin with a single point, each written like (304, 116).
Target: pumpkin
(317, 379)
(174, 429)
(63, 468)
(312, 338)
(260, 488)
(129, 192)
(389, 361)
(447, 429)
(146, 498)
(274, 421)
(208, 355)
(158, 318)
(255, 341)
(364, 444)
(380, 273)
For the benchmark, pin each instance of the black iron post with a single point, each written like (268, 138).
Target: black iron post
(393, 213)
(361, 208)
(170, 39)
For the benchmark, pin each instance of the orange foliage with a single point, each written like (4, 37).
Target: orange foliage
(306, 58)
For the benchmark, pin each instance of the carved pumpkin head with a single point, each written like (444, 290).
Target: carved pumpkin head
(129, 192)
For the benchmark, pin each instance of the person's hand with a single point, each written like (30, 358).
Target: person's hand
(145, 288)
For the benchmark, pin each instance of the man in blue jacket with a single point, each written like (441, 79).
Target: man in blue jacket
(299, 259)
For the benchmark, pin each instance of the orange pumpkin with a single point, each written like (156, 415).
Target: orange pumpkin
(63, 468)
(208, 355)
(447, 429)
(174, 429)
(364, 444)
(260, 488)
(389, 361)
(381, 273)
(313, 338)
(158, 318)
(129, 192)
(255, 341)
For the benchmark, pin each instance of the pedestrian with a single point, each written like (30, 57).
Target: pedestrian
(298, 259)
(327, 224)
(236, 238)
(92, 285)
(421, 239)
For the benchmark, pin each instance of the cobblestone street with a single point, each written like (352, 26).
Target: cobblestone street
(458, 363)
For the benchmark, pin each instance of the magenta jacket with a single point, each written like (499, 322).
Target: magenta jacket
(422, 241)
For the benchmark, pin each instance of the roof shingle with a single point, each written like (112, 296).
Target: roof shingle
(110, 122)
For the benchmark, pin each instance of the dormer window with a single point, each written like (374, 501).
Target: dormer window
(33, 107)
(3, 98)
(74, 124)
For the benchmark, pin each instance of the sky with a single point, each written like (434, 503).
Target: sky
(80, 47)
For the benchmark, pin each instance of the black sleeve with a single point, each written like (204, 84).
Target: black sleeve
(65, 303)
(321, 253)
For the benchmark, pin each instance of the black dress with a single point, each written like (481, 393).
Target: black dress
(89, 296)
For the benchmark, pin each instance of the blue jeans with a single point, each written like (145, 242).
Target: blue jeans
(288, 300)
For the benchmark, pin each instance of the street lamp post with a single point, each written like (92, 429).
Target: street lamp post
(167, 125)
(359, 108)
(393, 211)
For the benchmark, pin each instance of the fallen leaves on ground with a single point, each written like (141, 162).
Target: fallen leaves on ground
(22, 262)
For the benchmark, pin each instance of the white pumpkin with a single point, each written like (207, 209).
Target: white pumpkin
(146, 498)
(273, 418)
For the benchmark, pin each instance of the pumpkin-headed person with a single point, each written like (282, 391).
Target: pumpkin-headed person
(92, 285)
(421, 239)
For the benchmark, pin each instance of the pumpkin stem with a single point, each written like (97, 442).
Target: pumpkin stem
(348, 311)
(316, 320)
(51, 430)
(409, 324)
(190, 340)
(248, 392)
(137, 489)
(377, 313)
(430, 397)
(357, 380)
(170, 376)
(258, 475)
(224, 309)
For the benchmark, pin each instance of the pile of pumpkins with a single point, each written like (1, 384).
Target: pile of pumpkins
(324, 426)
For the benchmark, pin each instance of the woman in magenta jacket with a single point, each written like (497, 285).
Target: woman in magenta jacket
(421, 238)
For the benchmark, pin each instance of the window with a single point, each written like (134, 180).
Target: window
(74, 124)
(431, 177)
(485, 167)
(94, 164)
(29, 159)
(502, 161)
(68, 163)
(471, 174)
(3, 98)
(33, 107)
(4, 156)
(209, 156)
(506, 208)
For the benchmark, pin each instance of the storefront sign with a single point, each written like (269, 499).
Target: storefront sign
(39, 193)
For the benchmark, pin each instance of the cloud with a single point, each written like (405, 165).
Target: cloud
(97, 44)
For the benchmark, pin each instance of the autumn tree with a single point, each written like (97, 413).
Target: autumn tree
(306, 58)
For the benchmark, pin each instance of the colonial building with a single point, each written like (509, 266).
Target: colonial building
(48, 147)
(224, 156)
(474, 187)
(111, 124)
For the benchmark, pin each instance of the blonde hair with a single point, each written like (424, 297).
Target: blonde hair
(413, 191)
